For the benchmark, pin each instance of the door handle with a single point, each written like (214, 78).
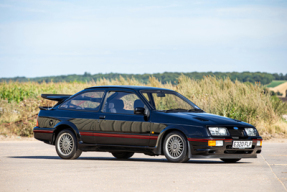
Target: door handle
(102, 117)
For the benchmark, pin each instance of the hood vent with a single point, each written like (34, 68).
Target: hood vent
(200, 119)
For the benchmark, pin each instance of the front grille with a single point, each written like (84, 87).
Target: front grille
(238, 152)
(236, 132)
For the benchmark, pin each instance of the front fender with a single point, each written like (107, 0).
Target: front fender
(185, 129)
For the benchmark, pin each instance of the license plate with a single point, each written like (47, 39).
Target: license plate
(242, 144)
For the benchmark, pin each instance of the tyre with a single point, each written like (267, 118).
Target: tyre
(66, 145)
(186, 159)
(123, 155)
(175, 147)
(230, 160)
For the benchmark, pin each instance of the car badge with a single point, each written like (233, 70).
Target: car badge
(236, 128)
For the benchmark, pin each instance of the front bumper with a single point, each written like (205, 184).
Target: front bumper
(200, 149)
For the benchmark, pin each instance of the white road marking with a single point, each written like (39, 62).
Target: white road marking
(273, 172)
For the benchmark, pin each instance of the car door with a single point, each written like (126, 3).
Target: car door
(118, 123)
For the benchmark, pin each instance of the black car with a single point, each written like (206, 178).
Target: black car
(124, 120)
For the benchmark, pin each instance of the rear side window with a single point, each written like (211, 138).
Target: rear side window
(85, 101)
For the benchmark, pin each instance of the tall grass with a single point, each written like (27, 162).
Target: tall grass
(247, 102)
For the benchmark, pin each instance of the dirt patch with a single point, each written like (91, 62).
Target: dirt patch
(268, 136)
(17, 123)
(275, 140)
(16, 138)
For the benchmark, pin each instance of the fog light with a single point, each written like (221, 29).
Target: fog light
(213, 143)
(259, 143)
(219, 143)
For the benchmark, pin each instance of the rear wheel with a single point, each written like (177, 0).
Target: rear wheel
(123, 155)
(66, 145)
(230, 160)
(175, 147)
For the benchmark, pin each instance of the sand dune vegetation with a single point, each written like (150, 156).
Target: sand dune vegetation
(248, 102)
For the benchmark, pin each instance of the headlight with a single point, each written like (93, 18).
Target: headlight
(218, 131)
(251, 131)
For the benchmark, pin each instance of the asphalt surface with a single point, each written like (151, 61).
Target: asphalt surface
(35, 166)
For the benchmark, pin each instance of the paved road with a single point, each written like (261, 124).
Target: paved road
(35, 166)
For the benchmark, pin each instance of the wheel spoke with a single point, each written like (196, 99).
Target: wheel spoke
(174, 146)
(65, 144)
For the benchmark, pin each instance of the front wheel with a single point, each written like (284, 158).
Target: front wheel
(66, 145)
(175, 147)
(230, 160)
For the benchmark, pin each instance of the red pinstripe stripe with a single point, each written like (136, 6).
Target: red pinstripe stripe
(118, 135)
(206, 140)
(42, 131)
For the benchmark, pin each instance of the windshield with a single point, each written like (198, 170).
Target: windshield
(170, 102)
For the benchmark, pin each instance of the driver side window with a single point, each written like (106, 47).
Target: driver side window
(122, 102)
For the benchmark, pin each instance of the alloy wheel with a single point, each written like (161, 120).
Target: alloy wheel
(174, 146)
(65, 144)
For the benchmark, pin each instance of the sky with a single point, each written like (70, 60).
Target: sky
(44, 38)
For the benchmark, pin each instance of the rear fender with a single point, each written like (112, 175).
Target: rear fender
(61, 125)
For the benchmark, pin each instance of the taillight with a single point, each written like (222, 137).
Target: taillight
(37, 124)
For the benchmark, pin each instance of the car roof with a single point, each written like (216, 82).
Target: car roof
(130, 87)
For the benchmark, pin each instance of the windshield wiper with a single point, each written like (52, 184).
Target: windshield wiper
(176, 110)
(195, 110)
(181, 110)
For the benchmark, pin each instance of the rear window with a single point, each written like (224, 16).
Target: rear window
(85, 101)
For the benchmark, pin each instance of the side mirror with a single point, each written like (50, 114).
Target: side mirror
(139, 111)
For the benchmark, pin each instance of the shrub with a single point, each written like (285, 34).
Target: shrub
(243, 101)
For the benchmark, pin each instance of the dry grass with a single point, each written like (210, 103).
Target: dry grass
(246, 102)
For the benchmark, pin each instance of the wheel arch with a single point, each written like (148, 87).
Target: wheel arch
(164, 133)
(65, 125)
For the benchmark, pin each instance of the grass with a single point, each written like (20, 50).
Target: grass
(19, 102)
(275, 83)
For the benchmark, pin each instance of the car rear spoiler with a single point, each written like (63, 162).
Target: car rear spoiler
(54, 97)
